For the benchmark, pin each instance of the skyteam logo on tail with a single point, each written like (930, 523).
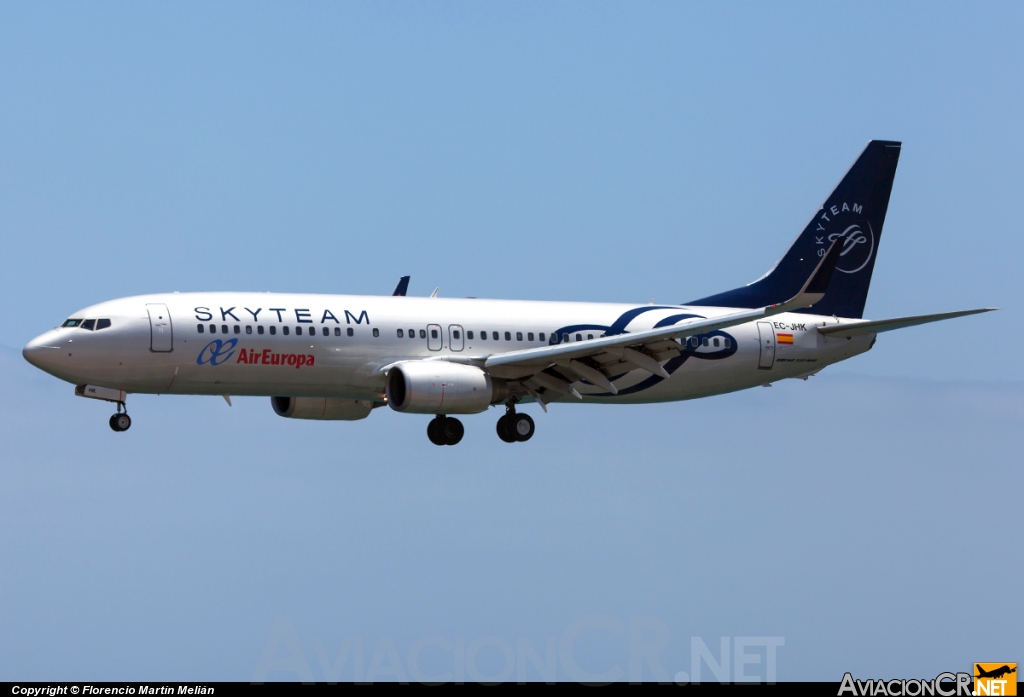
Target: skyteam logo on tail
(858, 247)
(859, 238)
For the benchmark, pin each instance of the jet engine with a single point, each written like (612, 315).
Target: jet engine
(442, 387)
(321, 408)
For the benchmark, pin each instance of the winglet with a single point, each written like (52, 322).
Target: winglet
(816, 285)
(403, 286)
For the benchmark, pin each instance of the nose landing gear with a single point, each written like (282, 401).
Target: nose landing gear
(514, 427)
(121, 422)
(444, 430)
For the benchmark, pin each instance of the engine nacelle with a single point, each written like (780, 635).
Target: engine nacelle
(441, 387)
(322, 408)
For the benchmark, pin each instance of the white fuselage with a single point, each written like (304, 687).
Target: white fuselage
(299, 345)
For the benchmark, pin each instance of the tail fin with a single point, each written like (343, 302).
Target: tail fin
(855, 211)
(403, 286)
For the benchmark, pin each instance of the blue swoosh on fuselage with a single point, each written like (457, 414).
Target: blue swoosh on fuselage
(672, 365)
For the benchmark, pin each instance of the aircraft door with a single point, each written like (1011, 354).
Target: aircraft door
(161, 338)
(766, 336)
(456, 340)
(434, 338)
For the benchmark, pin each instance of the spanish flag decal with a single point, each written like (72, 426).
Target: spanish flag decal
(785, 339)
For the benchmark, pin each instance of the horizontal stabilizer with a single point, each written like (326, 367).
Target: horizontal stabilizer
(887, 325)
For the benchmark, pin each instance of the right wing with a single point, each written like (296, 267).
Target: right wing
(555, 368)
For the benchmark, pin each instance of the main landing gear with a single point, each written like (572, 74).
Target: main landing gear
(515, 428)
(121, 421)
(444, 430)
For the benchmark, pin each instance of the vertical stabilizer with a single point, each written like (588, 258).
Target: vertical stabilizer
(855, 211)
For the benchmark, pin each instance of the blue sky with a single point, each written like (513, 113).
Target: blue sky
(615, 152)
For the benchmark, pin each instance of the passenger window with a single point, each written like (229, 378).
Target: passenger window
(590, 336)
(529, 336)
(423, 333)
(312, 331)
(728, 342)
(433, 333)
(579, 337)
(565, 338)
(213, 328)
(716, 342)
(273, 330)
(89, 324)
(694, 342)
(248, 329)
(483, 336)
(238, 330)
(71, 323)
(541, 336)
(223, 329)
(469, 335)
(102, 324)
(327, 331)
(200, 328)
(704, 341)
(519, 336)
(494, 335)
(456, 333)
(508, 336)
(401, 334)
(337, 331)
(412, 333)
(285, 330)
(376, 332)
(259, 329)
(350, 332)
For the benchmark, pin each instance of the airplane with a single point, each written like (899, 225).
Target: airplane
(339, 357)
(996, 672)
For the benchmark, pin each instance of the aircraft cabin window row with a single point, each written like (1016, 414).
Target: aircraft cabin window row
(495, 336)
(90, 324)
(694, 342)
(237, 329)
(471, 335)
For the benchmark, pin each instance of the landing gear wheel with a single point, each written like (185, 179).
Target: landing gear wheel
(452, 431)
(432, 431)
(505, 428)
(120, 422)
(445, 431)
(520, 426)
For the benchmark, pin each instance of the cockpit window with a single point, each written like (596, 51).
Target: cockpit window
(89, 324)
(71, 323)
(102, 324)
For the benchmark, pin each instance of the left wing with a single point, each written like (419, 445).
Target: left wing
(594, 359)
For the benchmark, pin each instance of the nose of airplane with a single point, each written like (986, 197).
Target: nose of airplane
(43, 351)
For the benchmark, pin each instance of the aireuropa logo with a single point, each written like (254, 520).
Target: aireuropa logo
(217, 352)
(995, 679)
